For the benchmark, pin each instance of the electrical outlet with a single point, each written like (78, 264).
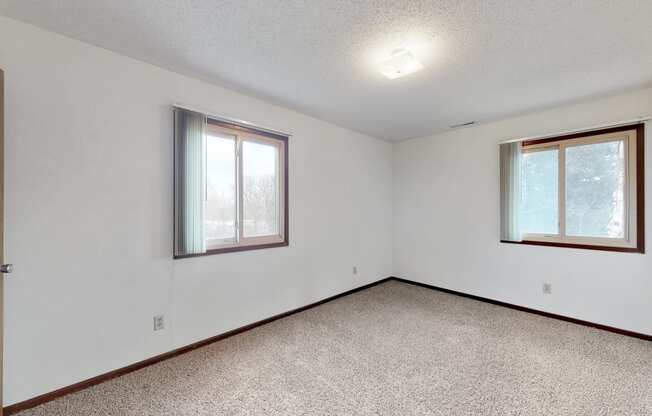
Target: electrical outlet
(159, 323)
(355, 269)
(547, 288)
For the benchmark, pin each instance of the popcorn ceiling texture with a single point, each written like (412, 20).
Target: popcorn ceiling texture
(484, 59)
(393, 349)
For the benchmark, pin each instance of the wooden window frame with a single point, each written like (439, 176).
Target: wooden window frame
(244, 133)
(635, 211)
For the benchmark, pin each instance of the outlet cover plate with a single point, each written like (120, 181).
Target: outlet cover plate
(159, 323)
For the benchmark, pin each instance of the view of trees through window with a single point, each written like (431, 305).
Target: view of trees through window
(595, 184)
(595, 190)
(260, 189)
(539, 192)
(220, 215)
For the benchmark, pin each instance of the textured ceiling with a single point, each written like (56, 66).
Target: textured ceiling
(484, 59)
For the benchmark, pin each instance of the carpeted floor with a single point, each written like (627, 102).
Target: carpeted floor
(393, 349)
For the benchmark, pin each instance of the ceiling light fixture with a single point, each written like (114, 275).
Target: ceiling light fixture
(401, 63)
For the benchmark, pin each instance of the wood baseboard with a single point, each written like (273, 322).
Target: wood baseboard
(530, 310)
(44, 398)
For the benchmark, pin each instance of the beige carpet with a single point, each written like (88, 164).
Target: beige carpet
(394, 349)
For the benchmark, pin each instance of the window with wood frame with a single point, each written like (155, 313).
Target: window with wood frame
(230, 186)
(582, 190)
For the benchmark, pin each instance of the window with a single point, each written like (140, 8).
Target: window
(540, 183)
(583, 190)
(230, 187)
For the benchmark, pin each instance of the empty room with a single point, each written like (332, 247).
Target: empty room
(327, 207)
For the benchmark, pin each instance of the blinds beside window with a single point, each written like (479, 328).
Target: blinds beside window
(189, 181)
(510, 191)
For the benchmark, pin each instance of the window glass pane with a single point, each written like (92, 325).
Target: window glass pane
(539, 192)
(220, 211)
(260, 190)
(595, 190)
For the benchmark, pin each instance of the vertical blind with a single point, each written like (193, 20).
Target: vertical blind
(189, 181)
(510, 190)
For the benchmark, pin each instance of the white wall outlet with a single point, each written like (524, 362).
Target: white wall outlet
(547, 288)
(159, 322)
(355, 269)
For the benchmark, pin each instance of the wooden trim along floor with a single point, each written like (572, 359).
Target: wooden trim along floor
(17, 407)
(44, 398)
(625, 332)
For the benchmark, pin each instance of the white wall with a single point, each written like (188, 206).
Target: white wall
(89, 212)
(89, 215)
(446, 223)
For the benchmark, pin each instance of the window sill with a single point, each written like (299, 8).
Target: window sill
(233, 249)
(640, 250)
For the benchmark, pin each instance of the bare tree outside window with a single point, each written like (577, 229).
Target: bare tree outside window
(260, 189)
(260, 202)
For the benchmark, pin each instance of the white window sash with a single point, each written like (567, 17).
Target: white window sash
(240, 240)
(630, 238)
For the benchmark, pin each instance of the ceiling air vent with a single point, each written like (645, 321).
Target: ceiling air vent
(468, 123)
